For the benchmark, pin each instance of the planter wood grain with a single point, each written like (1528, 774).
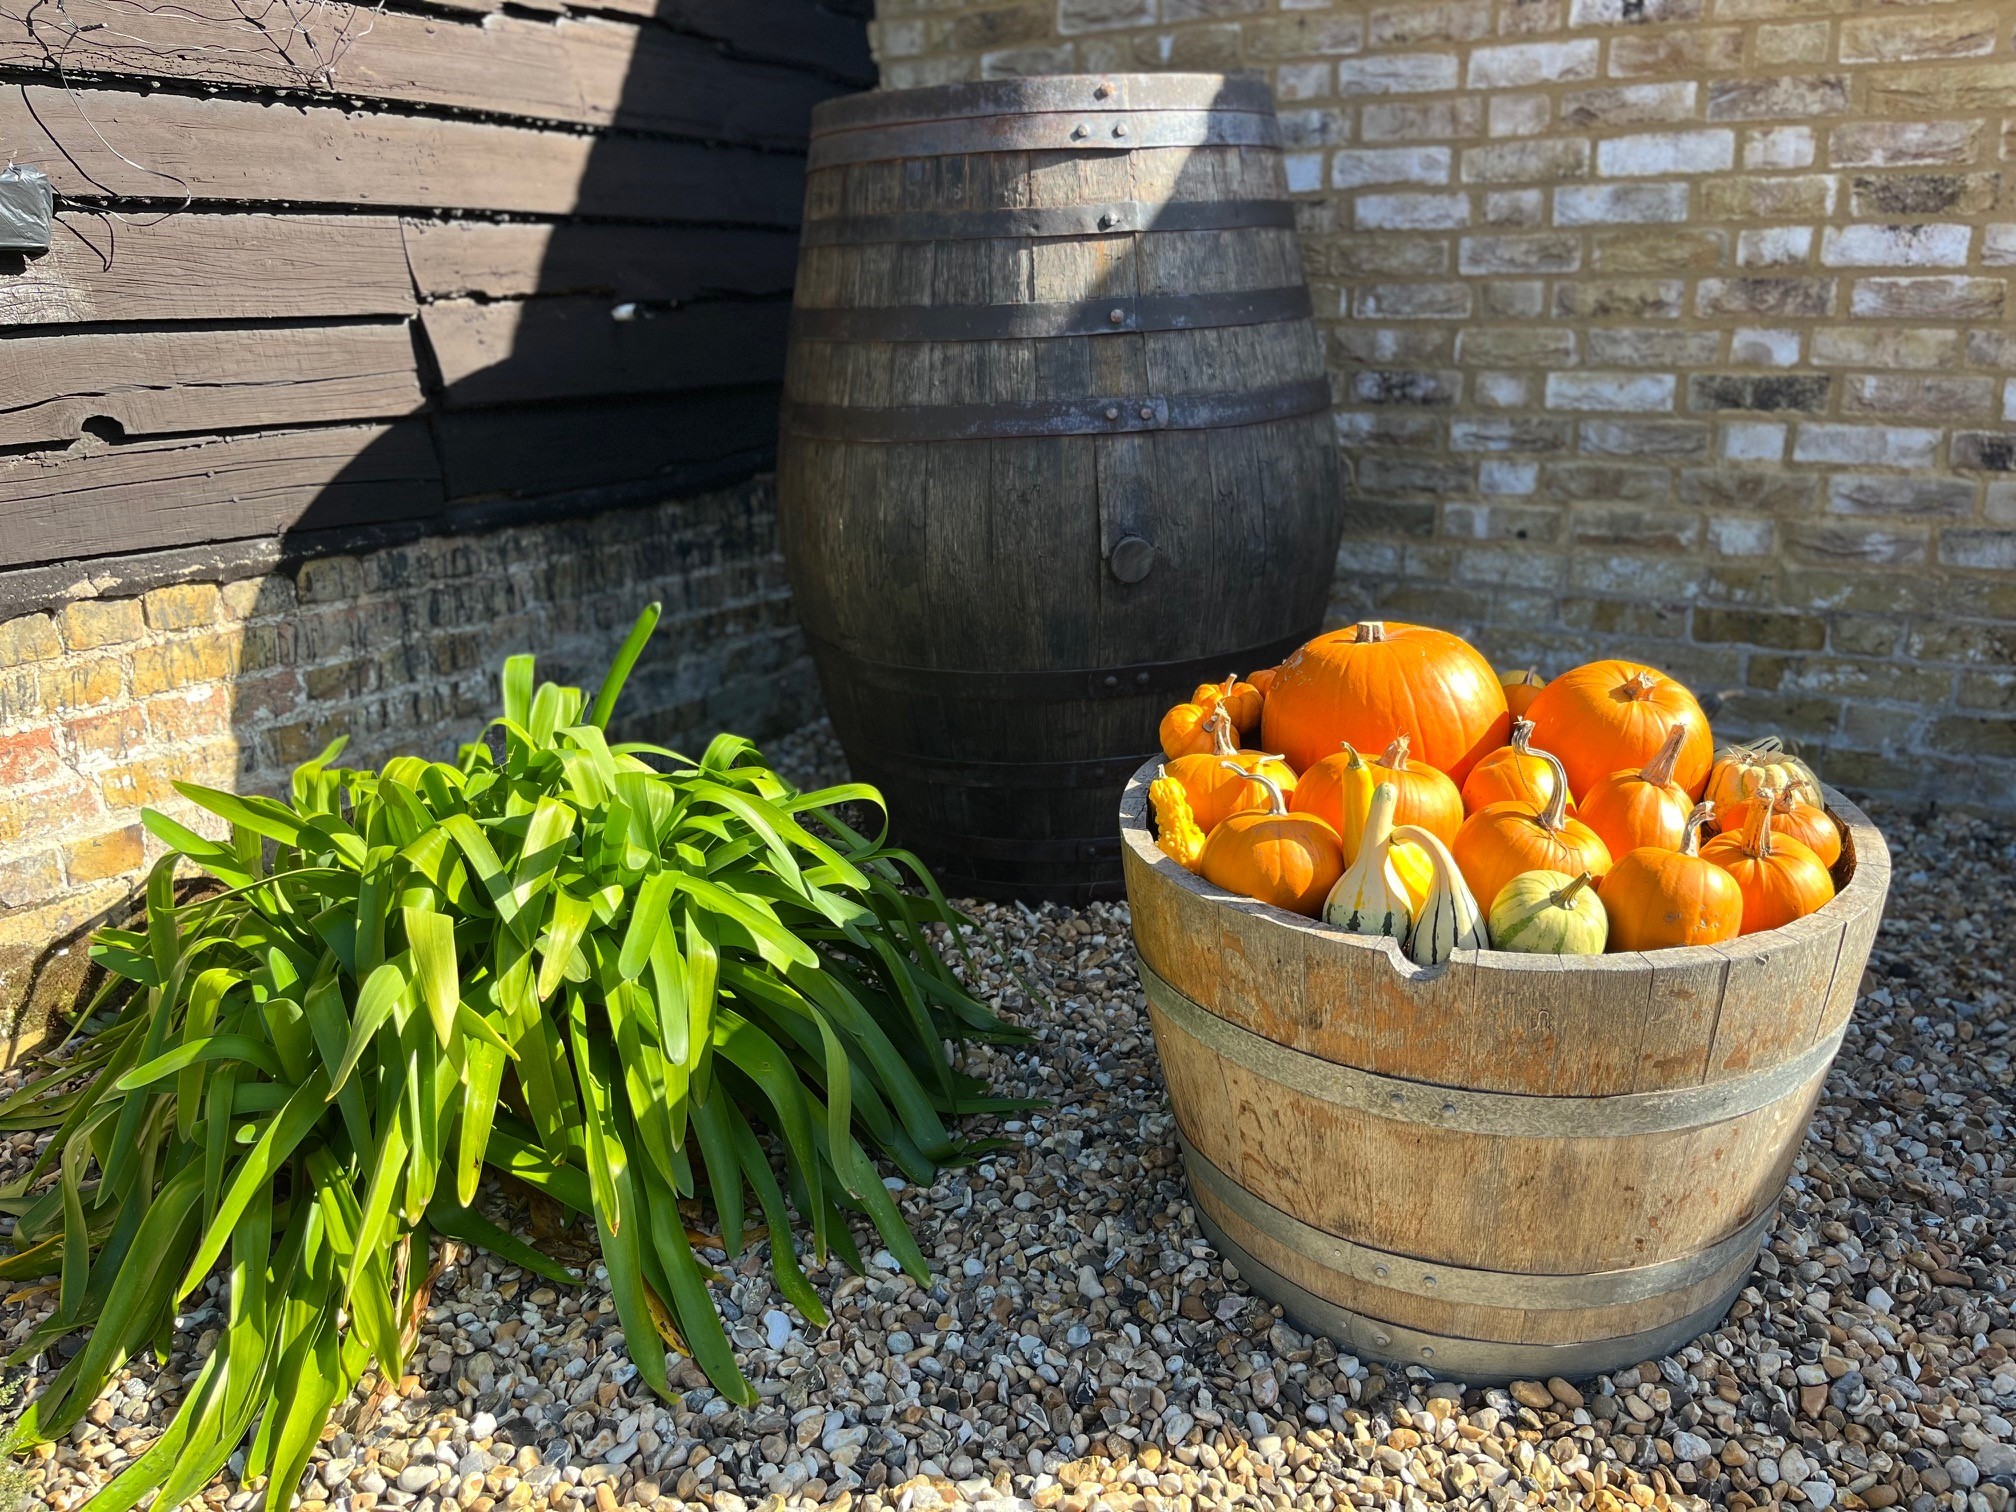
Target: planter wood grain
(1507, 1166)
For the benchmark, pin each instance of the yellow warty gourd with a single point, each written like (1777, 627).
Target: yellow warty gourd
(1446, 918)
(1379, 892)
(1177, 833)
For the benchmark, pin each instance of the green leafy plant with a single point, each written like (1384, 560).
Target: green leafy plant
(605, 970)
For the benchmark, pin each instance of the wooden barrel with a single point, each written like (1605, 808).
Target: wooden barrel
(1056, 446)
(1507, 1166)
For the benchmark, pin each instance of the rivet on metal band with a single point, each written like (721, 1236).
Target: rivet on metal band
(1481, 1361)
(1511, 1114)
(1468, 1287)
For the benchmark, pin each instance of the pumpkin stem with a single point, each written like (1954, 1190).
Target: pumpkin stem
(1555, 814)
(1277, 802)
(1369, 630)
(1757, 833)
(1641, 684)
(1522, 735)
(1357, 762)
(1690, 837)
(1659, 770)
(1562, 895)
(1220, 726)
(1395, 759)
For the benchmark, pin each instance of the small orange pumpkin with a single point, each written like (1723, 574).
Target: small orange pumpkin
(1375, 680)
(1612, 716)
(1646, 807)
(1263, 682)
(1208, 783)
(1812, 827)
(1427, 797)
(1521, 688)
(1781, 880)
(1514, 773)
(1499, 842)
(1289, 860)
(1183, 729)
(1658, 898)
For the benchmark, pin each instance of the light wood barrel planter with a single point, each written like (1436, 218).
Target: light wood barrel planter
(1507, 1166)
(1054, 402)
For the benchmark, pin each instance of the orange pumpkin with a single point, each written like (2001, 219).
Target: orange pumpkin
(1812, 827)
(1612, 716)
(1184, 731)
(1514, 773)
(1658, 898)
(1262, 681)
(1373, 681)
(1497, 843)
(1338, 790)
(1781, 880)
(1289, 860)
(1521, 687)
(1427, 797)
(1645, 807)
(1210, 782)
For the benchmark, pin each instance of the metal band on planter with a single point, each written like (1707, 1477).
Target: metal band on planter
(1111, 218)
(1051, 131)
(1106, 415)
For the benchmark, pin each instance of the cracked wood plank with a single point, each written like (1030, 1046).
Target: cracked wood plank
(214, 149)
(154, 383)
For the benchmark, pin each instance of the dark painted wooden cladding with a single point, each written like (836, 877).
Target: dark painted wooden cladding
(477, 253)
(1057, 446)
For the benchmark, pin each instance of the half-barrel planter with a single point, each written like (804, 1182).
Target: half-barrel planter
(1506, 1166)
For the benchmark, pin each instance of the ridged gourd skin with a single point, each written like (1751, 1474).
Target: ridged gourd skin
(1514, 773)
(1780, 879)
(1740, 771)
(1612, 716)
(1372, 681)
(1643, 806)
(1549, 913)
(1447, 918)
(1373, 896)
(1661, 899)
(1497, 843)
(1288, 860)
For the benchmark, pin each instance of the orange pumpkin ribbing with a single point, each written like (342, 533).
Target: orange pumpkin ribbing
(1612, 716)
(1659, 898)
(1498, 843)
(1644, 807)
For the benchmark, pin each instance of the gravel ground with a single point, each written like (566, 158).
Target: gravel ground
(1084, 1349)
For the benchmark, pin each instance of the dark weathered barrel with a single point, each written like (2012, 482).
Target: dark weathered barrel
(1056, 446)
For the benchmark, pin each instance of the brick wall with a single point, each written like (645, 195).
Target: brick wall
(1675, 328)
(231, 680)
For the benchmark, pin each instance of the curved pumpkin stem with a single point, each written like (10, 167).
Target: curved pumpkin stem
(1555, 814)
(1220, 726)
(1395, 758)
(1563, 894)
(1659, 770)
(1522, 736)
(1757, 833)
(1368, 630)
(1357, 762)
(1690, 837)
(1277, 802)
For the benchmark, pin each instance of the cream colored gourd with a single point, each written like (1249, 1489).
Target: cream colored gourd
(1549, 913)
(1447, 918)
(1373, 896)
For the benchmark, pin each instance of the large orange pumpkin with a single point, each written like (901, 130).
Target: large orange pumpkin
(1781, 879)
(1659, 898)
(1646, 807)
(1373, 681)
(1498, 843)
(1289, 860)
(1612, 716)
(1513, 773)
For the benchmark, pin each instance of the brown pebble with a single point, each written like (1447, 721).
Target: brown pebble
(1564, 1393)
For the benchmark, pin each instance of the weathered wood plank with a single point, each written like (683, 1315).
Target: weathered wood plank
(208, 267)
(575, 347)
(506, 260)
(526, 452)
(240, 150)
(162, 382)
(786, 31)
(592, 72)
(93, 499)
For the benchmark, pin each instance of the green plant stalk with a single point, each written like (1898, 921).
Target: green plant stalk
(600, 969)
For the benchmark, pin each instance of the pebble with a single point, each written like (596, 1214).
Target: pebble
(1082, 1349)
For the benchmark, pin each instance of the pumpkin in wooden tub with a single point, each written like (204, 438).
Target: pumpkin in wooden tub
(1506, 810)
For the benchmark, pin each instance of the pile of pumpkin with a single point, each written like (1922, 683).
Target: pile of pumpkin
(1570, 816)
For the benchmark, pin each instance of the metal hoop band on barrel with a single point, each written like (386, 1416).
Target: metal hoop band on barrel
(1056, 131)
(1509, 1114)
(1115, 415)
(1113, 218)
(1119, 315)
(1480, 1361)
(1460, 1286)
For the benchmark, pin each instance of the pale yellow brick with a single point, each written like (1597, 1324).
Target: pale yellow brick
(27, 639)
(182, 606)
(88, 624)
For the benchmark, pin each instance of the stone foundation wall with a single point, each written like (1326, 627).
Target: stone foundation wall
(1669, 328)
(109, 695)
